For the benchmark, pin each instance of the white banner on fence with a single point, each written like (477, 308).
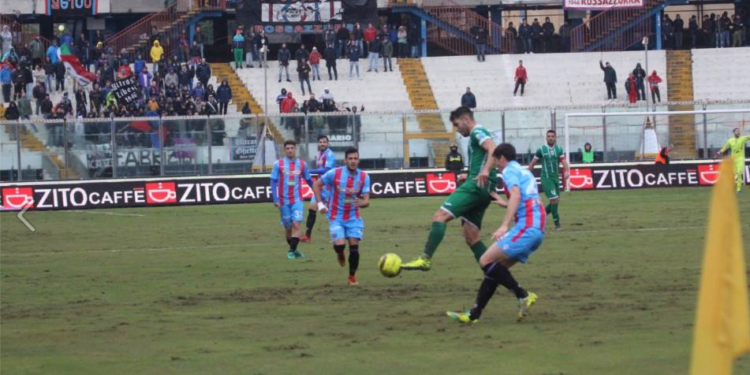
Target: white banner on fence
(603, 4)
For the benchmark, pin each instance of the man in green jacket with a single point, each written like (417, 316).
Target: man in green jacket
(387, 52)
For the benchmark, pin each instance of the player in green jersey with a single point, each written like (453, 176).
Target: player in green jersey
(737, 145)
(471, 199)
(551, 156)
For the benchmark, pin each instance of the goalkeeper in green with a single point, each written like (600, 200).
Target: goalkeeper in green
(551, 156)
(737, 145)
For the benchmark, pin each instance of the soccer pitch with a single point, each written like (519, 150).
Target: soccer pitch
(199, 290)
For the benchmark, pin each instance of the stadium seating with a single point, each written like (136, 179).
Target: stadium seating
(721, 73)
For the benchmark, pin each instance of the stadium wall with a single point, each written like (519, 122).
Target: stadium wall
(385, 184)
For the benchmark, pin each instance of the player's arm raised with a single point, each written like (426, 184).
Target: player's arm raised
(723, 149)
(513, 202)
(484, 176)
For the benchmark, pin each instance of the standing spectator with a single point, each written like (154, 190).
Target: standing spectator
(39, 75)
(49, 73)
(481, 41)
(610, 79)
(693, 31)
(454, 162)
(565, 36)
(548, 29)
(315, 63)
(724, 24)
(28, 78)
(12, 114)
(288, 104)
(630, 88)
(370, 35)
(171, 79)
(249, 48)
(186, 76)
(224, 92)
(37, 51)
(524, 31)
(96, 98)
(354, 53)
(403, 43)
(521, 77)
(587, 154)
(19, 81)
(663, 157)
(157, 53)
(200, 38)
(39, 93)
(414, 40)
(468, 99)
(52, 52)
(47, 108)
(640, 76)
(330, 37)
(184, 44)
(510, 35)
(24, 110)
(81, 103)
(331, 53)
(284, 56)
(738, 28)
(6, 40)
(195, 54)
(679, 28)
(144, 78)
(261, 48)
(238, 45)
(653, 83)
(536, 35)
(387, 53)
(301, 54)
(667, 32)
(343, 38)
(707, 28)
(303, 69)
(139, 64)
(203, 72)
(374, 50)
(357, 36)
(280, 98)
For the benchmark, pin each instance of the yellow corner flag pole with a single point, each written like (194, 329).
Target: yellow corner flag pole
(722, 321)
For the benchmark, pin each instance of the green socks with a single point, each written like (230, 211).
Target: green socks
(555, 213)
(437, 232)
(478, 249)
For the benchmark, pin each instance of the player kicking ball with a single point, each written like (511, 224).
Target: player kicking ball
(286, 190)
(737, 145)
(471, 199)
(326, 161)
(551, 155)
(513, 245)
(350, 190)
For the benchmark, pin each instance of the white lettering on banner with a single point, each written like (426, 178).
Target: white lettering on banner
(399, 187)
(603, 4)
(220, 192)
(79, 197)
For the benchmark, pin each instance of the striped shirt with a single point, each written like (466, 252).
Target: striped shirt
(288, 173)
(345, 187)
(530, 212)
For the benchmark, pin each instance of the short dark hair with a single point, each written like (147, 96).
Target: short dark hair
(551, 131)
(290, 142)
(505, 150)
(460, 112)
(735, 129)
(322, 136)
(350, 150)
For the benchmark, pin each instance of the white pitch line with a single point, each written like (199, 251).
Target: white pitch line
(105, 213)
(276, 243)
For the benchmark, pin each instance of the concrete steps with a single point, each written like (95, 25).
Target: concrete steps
(681, 127)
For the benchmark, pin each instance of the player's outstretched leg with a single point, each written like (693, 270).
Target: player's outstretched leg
(312, 215)
(353, 262)
(340, 257)
(437, 233)
(495, 263)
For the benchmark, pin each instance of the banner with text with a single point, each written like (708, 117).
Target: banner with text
(256, 189)
(603, 4)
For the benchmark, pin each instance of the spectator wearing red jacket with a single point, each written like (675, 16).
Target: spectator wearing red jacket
(653, 83)
(630, 88)
(288, 104)
(314, 63)
(521, 78)
(370, 34)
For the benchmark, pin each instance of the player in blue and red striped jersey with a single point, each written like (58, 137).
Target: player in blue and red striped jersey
(286, 190)
(514, 245)
(350, 191)
(326, 161)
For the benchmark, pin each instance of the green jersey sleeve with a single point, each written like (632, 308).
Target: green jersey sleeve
(560, 153)
(538, 154)
(480, 135)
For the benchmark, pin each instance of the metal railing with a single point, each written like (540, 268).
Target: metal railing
(606, 23)
(20, 35)
(168, 23)
(183, 146)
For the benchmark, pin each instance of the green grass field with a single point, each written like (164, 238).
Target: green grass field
(208, 290)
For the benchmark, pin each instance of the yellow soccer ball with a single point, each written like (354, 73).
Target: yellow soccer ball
(390, 265)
